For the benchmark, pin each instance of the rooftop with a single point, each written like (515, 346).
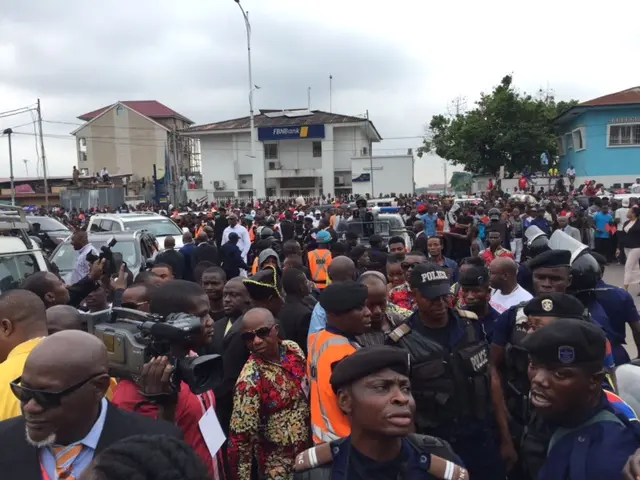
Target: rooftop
(631, 96)
(149, 108)
(278, 118)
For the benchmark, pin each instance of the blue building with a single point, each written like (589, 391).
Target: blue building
(600, 138)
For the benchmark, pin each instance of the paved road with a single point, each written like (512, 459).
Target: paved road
(613, 275)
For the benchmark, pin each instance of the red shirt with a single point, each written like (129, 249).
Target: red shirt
(488, 256)
(189, 411)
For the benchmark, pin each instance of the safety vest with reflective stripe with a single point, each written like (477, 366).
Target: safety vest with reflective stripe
(319, 261)
(328, 423)
(254, 267)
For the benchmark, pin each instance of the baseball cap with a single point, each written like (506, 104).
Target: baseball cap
(430, 280)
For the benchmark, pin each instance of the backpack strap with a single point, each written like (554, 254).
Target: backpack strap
(400, 331)
(468, 314)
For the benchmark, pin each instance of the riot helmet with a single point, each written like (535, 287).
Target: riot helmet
(537, 241)
(585, 269)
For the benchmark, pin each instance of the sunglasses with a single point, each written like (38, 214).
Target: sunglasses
(44, 398)
(408, 265)
(262, 332)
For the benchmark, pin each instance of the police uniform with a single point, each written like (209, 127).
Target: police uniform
(450, 378)
(475, 277)
(421, 457)
(598, 447)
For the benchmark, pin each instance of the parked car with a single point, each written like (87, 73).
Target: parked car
(48, 230)
(159, 225)
(135, 248)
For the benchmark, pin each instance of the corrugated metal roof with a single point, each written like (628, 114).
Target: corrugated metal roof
(630, 96)
(148, 108)
(317, 117)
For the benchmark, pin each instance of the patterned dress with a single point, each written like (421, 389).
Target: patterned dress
(270, 420)
(401, 297)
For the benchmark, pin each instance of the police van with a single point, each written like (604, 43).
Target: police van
(20, 255)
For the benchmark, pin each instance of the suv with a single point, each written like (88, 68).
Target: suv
(19, 255)
(158, 225)
(136, 248)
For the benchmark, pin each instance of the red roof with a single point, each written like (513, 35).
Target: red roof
(630, 96)
(149, 108)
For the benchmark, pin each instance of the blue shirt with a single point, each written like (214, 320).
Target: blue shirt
(82, 461)
(430, 222)
(318, 319)
(451, 265)
(542, 224)
(602, 220)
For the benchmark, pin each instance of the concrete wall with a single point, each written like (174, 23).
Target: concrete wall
(123, 142)
(391, 174)
(598, 160)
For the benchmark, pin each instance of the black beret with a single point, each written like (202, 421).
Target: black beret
(567, 341)
(558, 305)
(550, 259)
(430, 280)
(367, 361)
(474, 276)
(264, 284)
(343, 297)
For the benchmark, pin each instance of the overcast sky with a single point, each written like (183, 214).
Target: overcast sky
(404, 61)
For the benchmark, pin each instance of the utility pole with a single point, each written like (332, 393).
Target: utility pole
(370, 155)
(309, 98)
(44, 158)
(458, 106)
(8, 133)
(26, 167)
(330, 93)
(178, 170)
(245, 15)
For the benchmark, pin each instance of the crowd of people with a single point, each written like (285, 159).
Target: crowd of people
(470, 351)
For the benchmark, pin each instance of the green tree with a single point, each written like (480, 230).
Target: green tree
(506, 128)
(461, 181)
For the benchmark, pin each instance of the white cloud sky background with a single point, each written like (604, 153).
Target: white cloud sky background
(404, 61)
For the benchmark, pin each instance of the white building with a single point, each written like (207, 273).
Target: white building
(297, 152)
(391, 174)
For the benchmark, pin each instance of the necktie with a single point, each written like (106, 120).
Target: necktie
(65, 456)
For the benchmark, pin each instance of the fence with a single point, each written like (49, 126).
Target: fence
(85, 199)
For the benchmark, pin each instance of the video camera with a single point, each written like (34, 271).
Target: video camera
(133, 338)
(111, 265)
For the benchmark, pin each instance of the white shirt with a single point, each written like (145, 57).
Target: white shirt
(621, 215)
(82, 267)
(635, 188)
(243, 244)
(104, 172)
(571, 172)
(503, 303)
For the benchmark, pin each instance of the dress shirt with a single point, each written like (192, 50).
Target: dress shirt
(82, 266)
(82, 461)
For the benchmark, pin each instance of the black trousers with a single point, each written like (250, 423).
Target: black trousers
(605, 247)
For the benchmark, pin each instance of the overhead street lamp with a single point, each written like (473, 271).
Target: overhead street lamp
(8, 133)
(247, 25)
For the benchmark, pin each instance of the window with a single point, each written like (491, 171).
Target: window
(14, 269)
(84, 172)
(83, 157)
(624, 135)
(317, 149)
(270, 151)
(578, 139)
(568, 139)
(560, 146)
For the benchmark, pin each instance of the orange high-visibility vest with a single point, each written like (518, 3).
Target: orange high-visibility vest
(319, 261)
(252, 235)
(328, 422)
(254, 267)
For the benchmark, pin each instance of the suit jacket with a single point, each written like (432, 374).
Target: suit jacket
(294, 319)
(173, 258)
(573, 232)
(19, 460)
(205, 252)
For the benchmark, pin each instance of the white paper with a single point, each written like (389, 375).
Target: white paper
(211, 431)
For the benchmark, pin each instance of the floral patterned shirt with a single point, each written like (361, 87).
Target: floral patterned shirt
(401, 297)
(270, 420)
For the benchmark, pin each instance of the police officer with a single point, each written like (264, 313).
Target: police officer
(476, 292)
(450, 374)
(590, 440)
(372, 388)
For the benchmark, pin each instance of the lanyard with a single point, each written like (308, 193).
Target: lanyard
(45, 475)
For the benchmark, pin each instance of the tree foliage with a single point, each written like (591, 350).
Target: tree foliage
(461, 181)
(506, 127)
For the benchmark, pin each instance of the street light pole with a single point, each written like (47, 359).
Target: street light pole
(8, 133)
(247, 25)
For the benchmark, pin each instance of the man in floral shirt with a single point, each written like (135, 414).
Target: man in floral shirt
(270, 420)
(400, 295)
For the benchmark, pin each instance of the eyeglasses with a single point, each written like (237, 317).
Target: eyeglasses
(42, 397)
(262, 332)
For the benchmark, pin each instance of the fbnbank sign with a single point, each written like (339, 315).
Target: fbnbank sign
(290, 133)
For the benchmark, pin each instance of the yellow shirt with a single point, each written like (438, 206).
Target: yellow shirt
(11, 369)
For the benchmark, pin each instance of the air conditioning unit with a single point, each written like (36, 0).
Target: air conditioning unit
(274, 166)
(364, 151)
(219, 185)
(339, 180)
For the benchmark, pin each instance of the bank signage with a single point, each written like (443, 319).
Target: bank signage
(290, 133)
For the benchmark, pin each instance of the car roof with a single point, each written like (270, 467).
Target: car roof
(105, 236)
(129, 216)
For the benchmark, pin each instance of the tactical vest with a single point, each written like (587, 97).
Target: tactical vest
(516, 388)
(451, 389)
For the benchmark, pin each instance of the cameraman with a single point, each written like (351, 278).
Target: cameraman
(155, 396)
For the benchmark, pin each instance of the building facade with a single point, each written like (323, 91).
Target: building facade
(382, 175)
(297, 152)
(132, 137)
(600, 138)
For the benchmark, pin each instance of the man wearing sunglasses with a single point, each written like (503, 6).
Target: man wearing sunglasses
(401, 295)
(66, 420)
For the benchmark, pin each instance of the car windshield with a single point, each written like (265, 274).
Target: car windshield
(47, 224)
(160, 227)
(65, 256)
